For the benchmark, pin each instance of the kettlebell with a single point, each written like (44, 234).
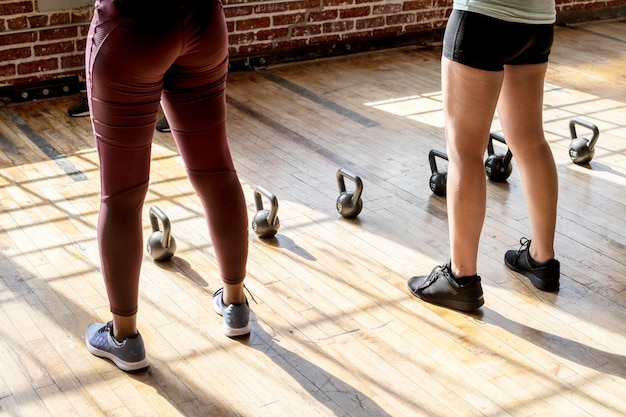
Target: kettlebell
(498, 166)
(349, 203)
(161, 245)
(582, 150)
(265, 222)
(438, 179)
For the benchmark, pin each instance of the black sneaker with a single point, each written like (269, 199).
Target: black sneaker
(79, 109)
(441, 288)
(162, 125)
(544, 276)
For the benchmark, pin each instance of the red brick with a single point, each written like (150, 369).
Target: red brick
(286, 6)
(324, 39)
(323, 16)
(250, 24)
(73, 61)
(81, 45)
(306, 30)
(17, 38)
(38, 21)
(430, 15)
(292, 43)
(241, 38)
(355, 12)
(83, 31)
(421, 27)
(238, 11)
(55, 34)
(271, 34)
(16, 7)
(333, 3)
(7, 70)
(60, 18)
(339, 26)
(387, 9)
(288, 19)
(54, 48)
(417, 5)
(15, 53)
(394, 30)
(42, 65)
(257, 47)
(17, 23)
(83, 15)
(399, 19)
(356, 35)
(370, 23)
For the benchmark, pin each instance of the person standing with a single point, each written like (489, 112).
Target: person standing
(141, 54)
(495, 56)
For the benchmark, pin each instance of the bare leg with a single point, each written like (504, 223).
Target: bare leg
(470, 97)
(233, 294)
(520, 109)
(124, 326)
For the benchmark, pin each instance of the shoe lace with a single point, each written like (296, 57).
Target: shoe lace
(524, 245)
(435, 274)
(108, 328)
(221, 290)
(249, 292)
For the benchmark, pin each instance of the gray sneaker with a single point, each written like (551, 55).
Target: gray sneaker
(236, 316)
(162, 125)
(128, 355)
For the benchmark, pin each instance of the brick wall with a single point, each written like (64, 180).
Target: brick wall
(37, 47)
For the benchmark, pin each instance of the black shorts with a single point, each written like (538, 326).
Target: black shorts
(486, 43)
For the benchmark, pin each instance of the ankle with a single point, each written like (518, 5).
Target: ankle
(233, 294)
(124, 327)
(462, 279)
(462, 273)
(537, 259)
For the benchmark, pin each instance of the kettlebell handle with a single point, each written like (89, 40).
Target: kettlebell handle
(490, 151)
(577, 121)
(431, 159)
(358, 183)
(155, 215)
(260, 191)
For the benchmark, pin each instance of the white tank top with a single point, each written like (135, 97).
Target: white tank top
(519, 11)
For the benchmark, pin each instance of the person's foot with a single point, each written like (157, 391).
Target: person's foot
(544, 276)
(162, 125)
(129, 355)
(236, 316)
(442, 287)
(79, 109)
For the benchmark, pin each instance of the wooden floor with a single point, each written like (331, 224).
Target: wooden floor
(334, 331)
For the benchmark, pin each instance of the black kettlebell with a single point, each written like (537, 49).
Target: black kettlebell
(161, 245)
(582, 150)
(498, 166)
(349, 203)
(438, 179)
(265, 222)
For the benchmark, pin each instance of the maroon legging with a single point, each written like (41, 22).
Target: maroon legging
(142, 53)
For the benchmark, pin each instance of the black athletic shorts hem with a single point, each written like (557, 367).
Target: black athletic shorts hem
(486, 43)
